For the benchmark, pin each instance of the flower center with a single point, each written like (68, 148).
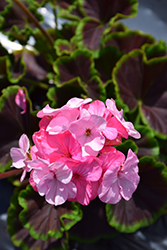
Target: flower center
(88, 131)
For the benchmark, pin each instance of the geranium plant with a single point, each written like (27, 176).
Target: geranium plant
(83, 119)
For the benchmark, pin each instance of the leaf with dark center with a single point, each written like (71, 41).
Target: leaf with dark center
(79, 64)
(60, 95)
(20, 235)
(17, 25)
(127, 41)
(147, 203)
(89, 33)
(67, 31)
(15, 67)
(64, 47)
(69, 10)
(34, 66)
(126, 145)
(65, 4)
(13, 124)
(3, 60)
(94, 225)
(100, 17)
(143, 84)
(155, 50)
(79, 67)
(106, 62)
(147, 144)
(95, 89)
(104, 10)
(163, 150)
(44, 220)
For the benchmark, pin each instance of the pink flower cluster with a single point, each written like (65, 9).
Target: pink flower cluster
(73, 157)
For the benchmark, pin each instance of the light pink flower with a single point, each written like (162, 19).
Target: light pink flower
(73, 103)
(21, 156)
(53, 180)
(61, 121)
(88, 132)
(98, 108)
(120, 178)
(85, 177)
(119, 115)
(47, 111)
(95, 108)
(76, 102)
(20, 100)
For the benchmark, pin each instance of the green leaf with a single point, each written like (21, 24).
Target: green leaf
(126, 145)
(147, 144)
(127, 41)
(79, 67)
(20, 235)
(144, 88)
(16, 24)
(44, 220)
(60, 95)
(16, 67)
(13, 124)
(147, 203)
(94, 225)
(155, 50)
(100, 16)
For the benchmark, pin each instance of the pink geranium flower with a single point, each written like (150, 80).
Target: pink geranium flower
(61, 121)
(41, 149)
(53, 180)
(20, 100)
(64, 146)
(120, 178)
(85, 177)
(110, 103)
(88, 132)
(21, 156)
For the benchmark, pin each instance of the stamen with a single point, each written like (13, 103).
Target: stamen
(88, 131)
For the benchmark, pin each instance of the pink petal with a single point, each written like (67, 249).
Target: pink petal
(45, 183)
(110, 103)
(131, 130)
(18, 157)
(62, 172)
(20, 100)
(47, 111)
(77, 102)
(131, 162)
(109, 194)
(57, 193)
(113, 122)
(24, 143)
(23, 175)
(96, 108)
(65, 145)
(127, 188)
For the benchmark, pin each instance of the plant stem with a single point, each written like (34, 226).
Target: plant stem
(34, 20)
(10, 173)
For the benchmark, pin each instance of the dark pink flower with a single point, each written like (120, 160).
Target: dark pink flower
(64, 145)
(85, 177)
